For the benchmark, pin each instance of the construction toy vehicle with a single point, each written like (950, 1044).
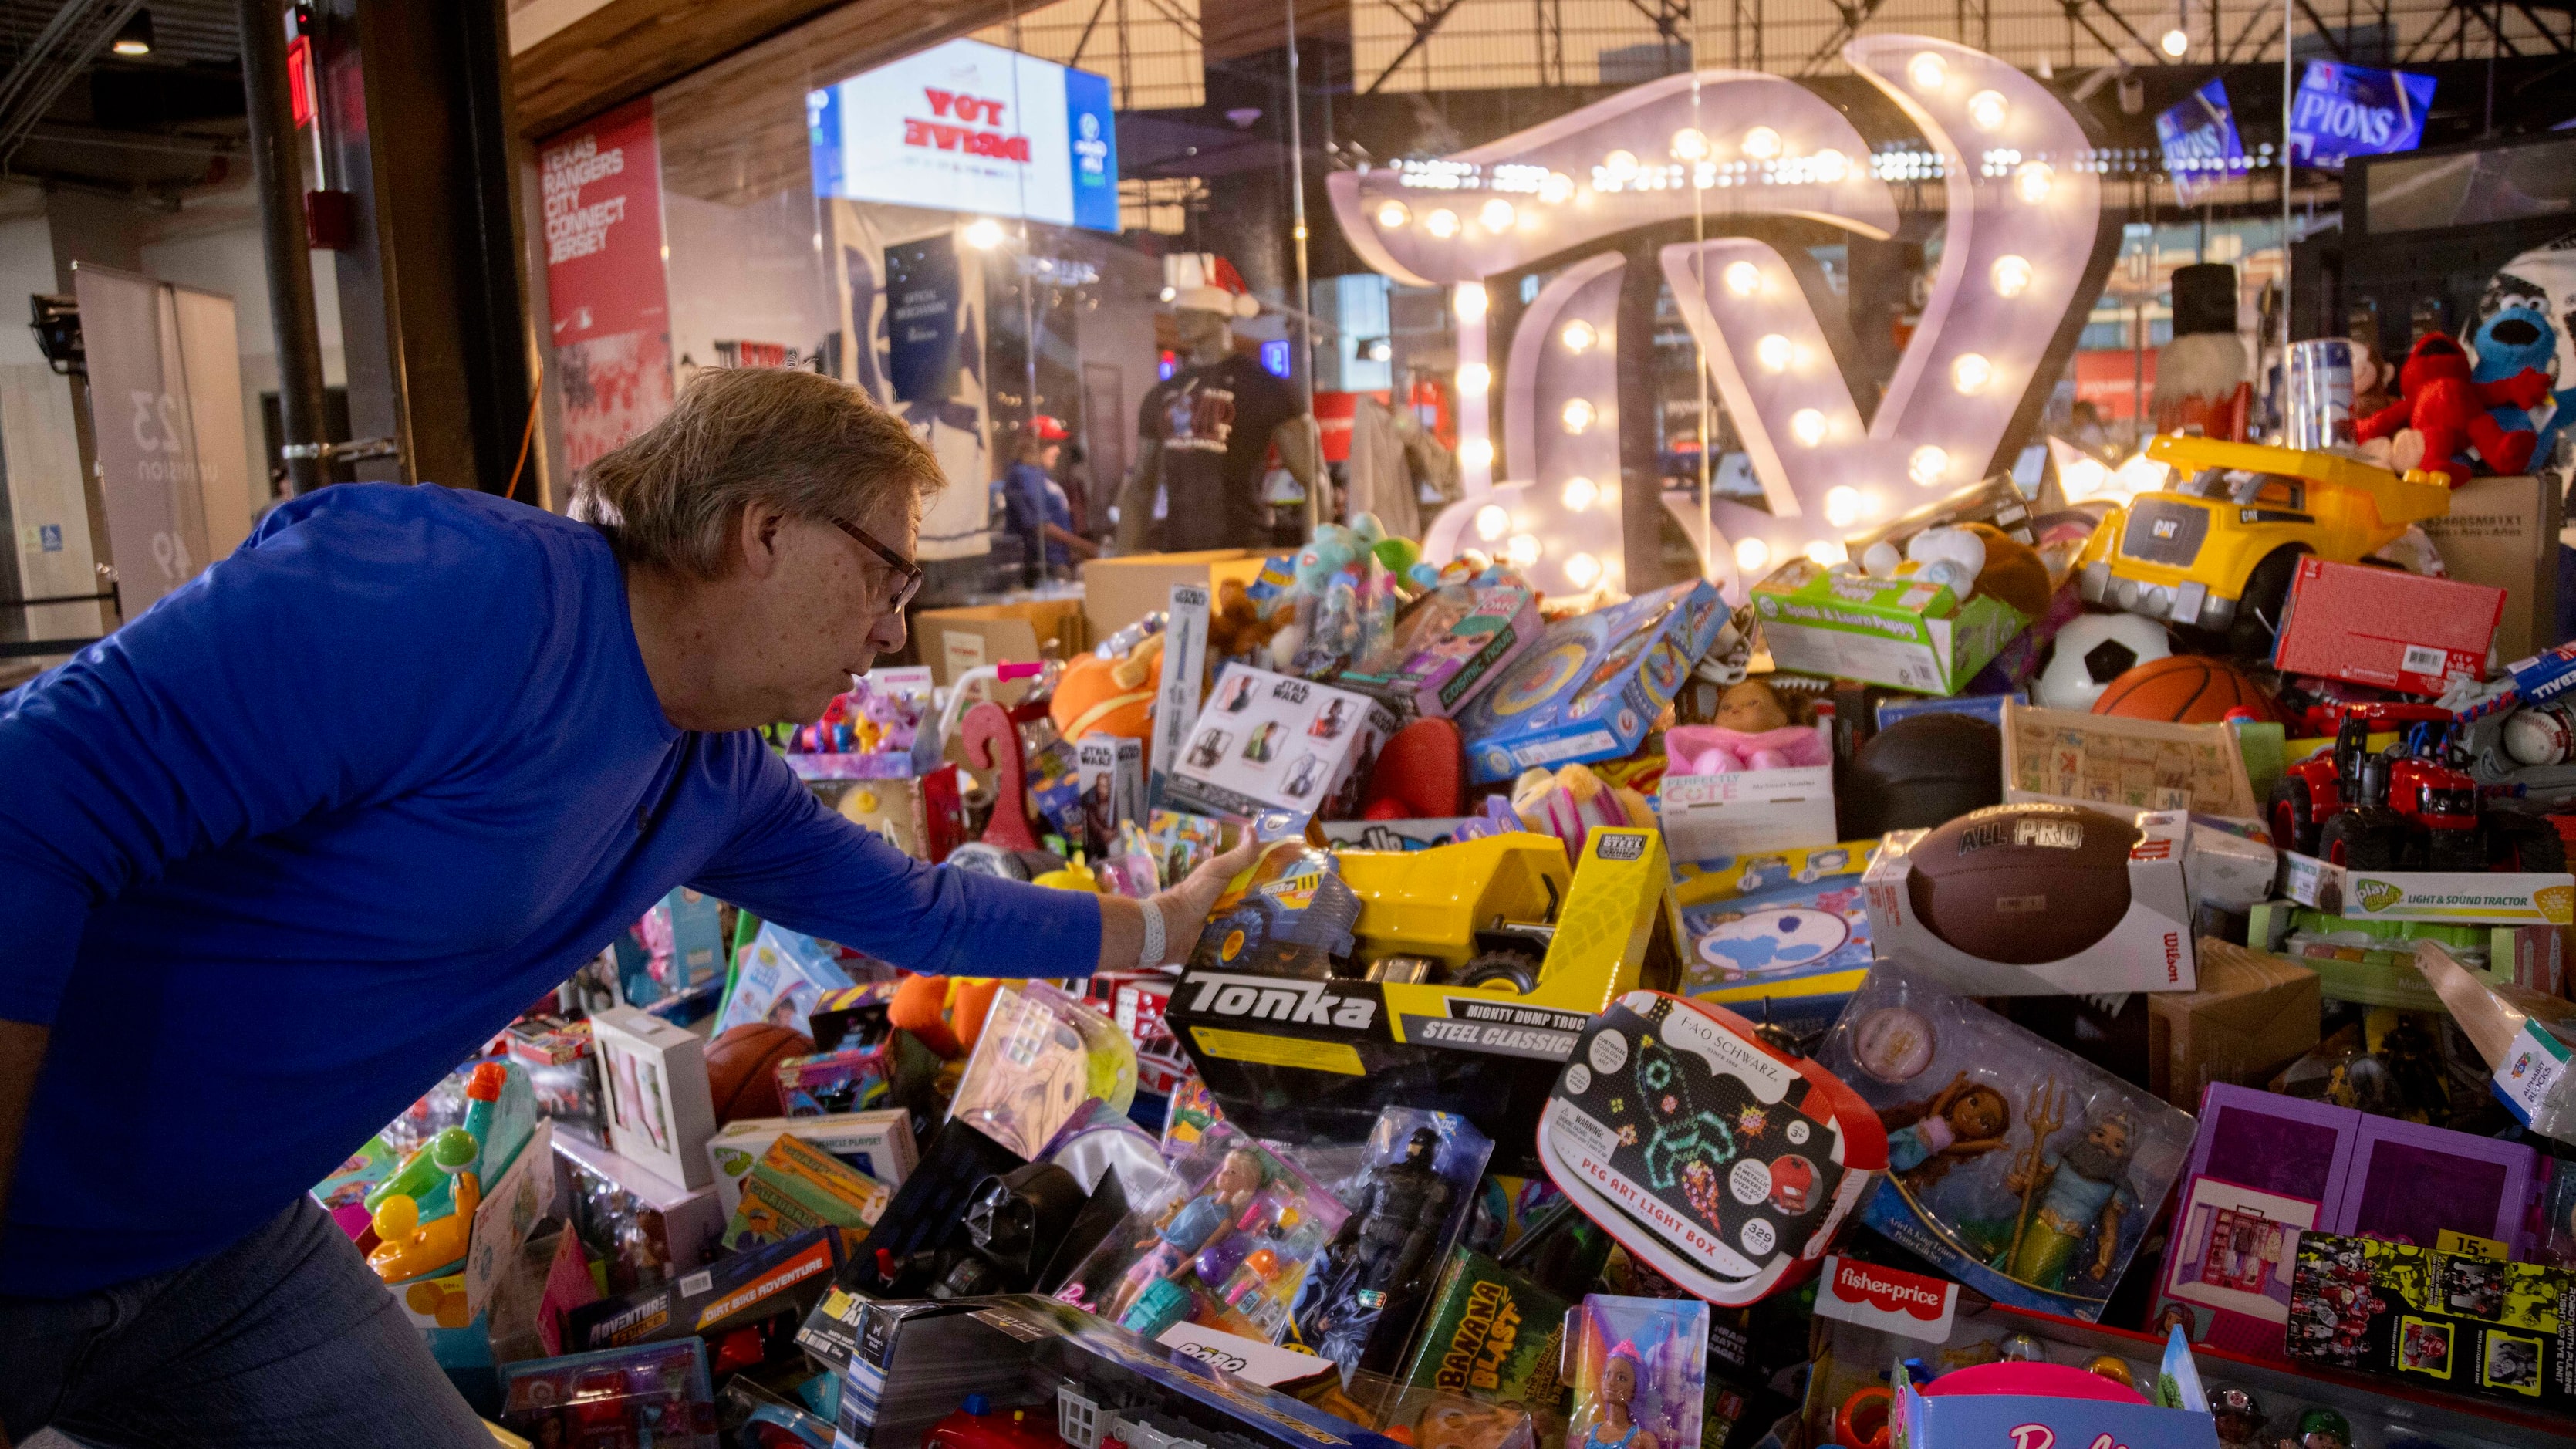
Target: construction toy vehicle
(1506, 956)
(1480, 912)
(2411, 807)
(2215, 551)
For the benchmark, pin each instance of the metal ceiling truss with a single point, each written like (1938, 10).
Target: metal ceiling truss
(76, 36)
(1426, 20)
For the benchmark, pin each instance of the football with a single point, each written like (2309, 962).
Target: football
(2023, 884)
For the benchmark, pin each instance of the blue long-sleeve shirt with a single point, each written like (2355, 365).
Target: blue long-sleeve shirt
(282, 851)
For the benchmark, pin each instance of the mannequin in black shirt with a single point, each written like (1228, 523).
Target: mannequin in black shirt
(1204, 433)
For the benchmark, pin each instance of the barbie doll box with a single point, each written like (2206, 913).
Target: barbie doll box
(1267, 742)
(2050, 1406)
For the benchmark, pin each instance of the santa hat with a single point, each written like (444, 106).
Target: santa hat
(1206, 282)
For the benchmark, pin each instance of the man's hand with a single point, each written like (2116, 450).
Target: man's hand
(1186, 906)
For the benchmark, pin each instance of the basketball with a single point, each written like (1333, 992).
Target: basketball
(1919, 772)
(742, 1069)
(2023, 884)
(2184, 689)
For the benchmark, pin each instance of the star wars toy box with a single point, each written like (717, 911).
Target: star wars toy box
(2014, 1166)
(2050, 1406)
(1297, 1046)
(1267, 742)
(1723, 1163)
(1437, 663)
(2035, 899)
(1898, 632)
(1086, 1379)
(2466, 1320)
(1593, 685)
(1779, 937)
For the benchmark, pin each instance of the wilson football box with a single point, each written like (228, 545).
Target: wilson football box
(2019, 883)
(2386, 627)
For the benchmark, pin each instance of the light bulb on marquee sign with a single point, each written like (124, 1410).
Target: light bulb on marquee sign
(2020, 236)
(2019, 244)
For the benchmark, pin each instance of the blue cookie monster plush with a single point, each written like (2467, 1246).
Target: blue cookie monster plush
(2514, 333)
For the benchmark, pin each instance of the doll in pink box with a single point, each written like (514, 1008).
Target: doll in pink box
(1755, 730)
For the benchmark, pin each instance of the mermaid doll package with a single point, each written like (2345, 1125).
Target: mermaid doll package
(1639, 1370)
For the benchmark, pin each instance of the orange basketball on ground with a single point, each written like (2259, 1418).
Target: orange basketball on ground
(742, 1068)
(2183, 689)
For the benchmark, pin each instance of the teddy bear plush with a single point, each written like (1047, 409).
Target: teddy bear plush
(2443, 403)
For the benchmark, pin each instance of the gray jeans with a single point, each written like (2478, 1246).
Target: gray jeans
(285, 1340)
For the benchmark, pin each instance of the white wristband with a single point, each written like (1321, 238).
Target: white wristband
(1156, 939)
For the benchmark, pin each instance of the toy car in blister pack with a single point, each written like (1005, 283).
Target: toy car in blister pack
(1639, 1371)
(1408, 1205)
(1294, 896)
(1715, 1159)
(1228, 1248)
(620, 1398)
(2014, 1166)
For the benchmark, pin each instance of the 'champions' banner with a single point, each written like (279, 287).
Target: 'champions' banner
(2351, 110)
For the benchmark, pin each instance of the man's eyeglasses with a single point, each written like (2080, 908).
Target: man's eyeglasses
(905, 568)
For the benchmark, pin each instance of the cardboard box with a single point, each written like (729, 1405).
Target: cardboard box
(2036, 1420)
(2425, 1317)
(1593, 685)
(660, 1112)
(2251, 1014)
(2503, 532)
(2149, 950)
(775, 1278)
(796, 1188)
(973, 635)
(2426, 895)
(1268, 742)
(1116, 592)
(876, 1143)
(1895, 632)
(2107, 761)
(680, 1226)
(2386, 627)
(1707, 817)
(1445, 673)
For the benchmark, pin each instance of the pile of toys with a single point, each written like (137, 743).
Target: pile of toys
(2065, 970)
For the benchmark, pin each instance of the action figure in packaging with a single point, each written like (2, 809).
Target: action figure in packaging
(2019, 1168)
(1408, 1207)
(1639, 1368)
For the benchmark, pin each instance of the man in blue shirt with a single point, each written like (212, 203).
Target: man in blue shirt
(283, 850)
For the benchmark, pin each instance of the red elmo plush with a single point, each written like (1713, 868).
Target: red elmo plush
(2450, 411)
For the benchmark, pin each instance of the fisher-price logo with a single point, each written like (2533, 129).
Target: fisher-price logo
(1890, 1299)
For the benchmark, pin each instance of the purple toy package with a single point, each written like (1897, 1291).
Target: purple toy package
(2266, 1168)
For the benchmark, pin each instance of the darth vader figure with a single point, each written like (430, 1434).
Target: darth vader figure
(1382, 1260)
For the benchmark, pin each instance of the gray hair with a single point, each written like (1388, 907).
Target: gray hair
(809, 445)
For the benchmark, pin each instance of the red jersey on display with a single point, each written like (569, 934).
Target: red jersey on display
(1214, 423)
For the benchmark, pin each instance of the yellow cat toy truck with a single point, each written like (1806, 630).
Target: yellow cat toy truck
(2214, 550)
